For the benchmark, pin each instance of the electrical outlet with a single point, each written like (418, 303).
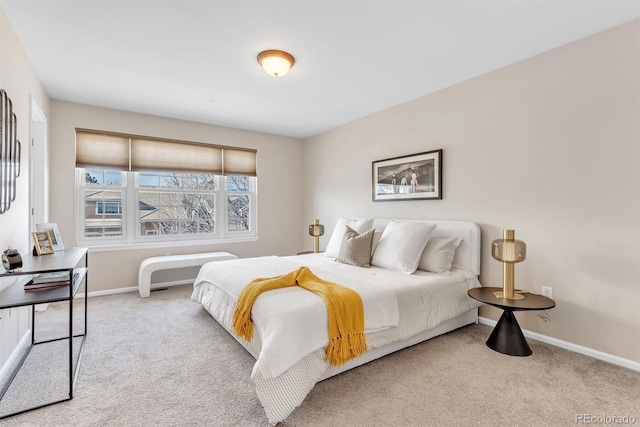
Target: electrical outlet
(547, 291)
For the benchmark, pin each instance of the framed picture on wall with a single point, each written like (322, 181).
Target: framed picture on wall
(54, 234)
(413, 177)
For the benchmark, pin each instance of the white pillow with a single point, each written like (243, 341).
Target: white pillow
(359, 225)
(438, 255)
(401, 245)
(376, 238)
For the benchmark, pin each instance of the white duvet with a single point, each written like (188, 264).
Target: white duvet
(292, 322)
(290, 330)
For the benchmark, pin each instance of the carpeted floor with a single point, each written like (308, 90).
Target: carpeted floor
(163, 361)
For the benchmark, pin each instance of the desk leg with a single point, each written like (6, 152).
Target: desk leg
(71, 347)
(507, 337)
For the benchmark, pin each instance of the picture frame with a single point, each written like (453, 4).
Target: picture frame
(54, 234)
(412, 177)
(42, 242)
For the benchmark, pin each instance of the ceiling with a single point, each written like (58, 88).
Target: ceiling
(196, 59)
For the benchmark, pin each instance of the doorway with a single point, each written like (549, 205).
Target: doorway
(39, 167)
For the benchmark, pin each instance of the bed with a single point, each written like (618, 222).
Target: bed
(401, 309)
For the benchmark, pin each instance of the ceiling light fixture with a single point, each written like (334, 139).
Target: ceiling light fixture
(276, 62)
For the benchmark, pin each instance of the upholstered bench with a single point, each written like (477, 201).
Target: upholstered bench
(168, 262)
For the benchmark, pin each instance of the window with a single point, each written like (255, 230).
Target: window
(238, 203)
(167, 206)
(108, 208)
(176, 204)
(135, 189)
(103, 190)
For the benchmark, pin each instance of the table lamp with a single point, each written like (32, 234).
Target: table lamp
(509, 251)
(316, 230)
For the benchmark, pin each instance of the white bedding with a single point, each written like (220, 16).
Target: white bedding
(397, 307)
(289, 331)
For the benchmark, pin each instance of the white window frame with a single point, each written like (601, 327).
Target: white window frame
(80, 206)
(132, 237)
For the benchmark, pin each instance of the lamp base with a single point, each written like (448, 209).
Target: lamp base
(515, 296)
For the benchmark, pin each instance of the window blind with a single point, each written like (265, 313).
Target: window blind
(96, 149)
(239, 162)
(140, 153)
(148, 154)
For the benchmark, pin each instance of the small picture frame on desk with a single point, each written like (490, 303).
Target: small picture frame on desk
(54, 233)
(42, 242)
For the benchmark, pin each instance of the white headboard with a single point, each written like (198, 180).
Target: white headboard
(468, 253)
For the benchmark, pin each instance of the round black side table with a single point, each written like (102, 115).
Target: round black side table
(507, 337)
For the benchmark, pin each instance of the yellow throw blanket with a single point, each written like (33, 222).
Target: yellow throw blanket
(344, 311)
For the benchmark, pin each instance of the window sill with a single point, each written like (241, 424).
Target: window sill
(167, 244)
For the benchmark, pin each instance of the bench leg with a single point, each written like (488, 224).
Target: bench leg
(144, 293)
(144, 284)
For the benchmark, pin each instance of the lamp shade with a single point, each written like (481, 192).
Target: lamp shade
(508, 249)
(276, 62)
(316, 230)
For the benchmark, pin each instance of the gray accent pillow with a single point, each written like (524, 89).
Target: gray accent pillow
(356, 248)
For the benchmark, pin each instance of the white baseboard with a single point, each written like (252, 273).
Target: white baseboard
(135, 288)
(625, 363)
(15, 354)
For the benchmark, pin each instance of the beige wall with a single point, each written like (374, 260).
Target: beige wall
(548, 146)
(279, 187)
(18, 79)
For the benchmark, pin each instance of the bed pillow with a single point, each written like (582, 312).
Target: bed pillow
(376, 239)
(438, 255)
(359, 225)
(401, 245)
(356, 248)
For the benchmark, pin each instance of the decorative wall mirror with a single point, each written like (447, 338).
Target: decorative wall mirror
(10, 151)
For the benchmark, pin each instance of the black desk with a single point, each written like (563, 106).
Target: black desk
(507, 337)
(15, 296)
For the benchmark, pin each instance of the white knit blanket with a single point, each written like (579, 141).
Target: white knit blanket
(292, 321)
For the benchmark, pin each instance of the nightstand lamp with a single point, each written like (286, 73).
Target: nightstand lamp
(316, 230)
(509, 251)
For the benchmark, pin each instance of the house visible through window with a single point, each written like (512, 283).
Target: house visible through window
(103, 193)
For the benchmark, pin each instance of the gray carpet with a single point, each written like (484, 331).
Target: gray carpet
(163, 361)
